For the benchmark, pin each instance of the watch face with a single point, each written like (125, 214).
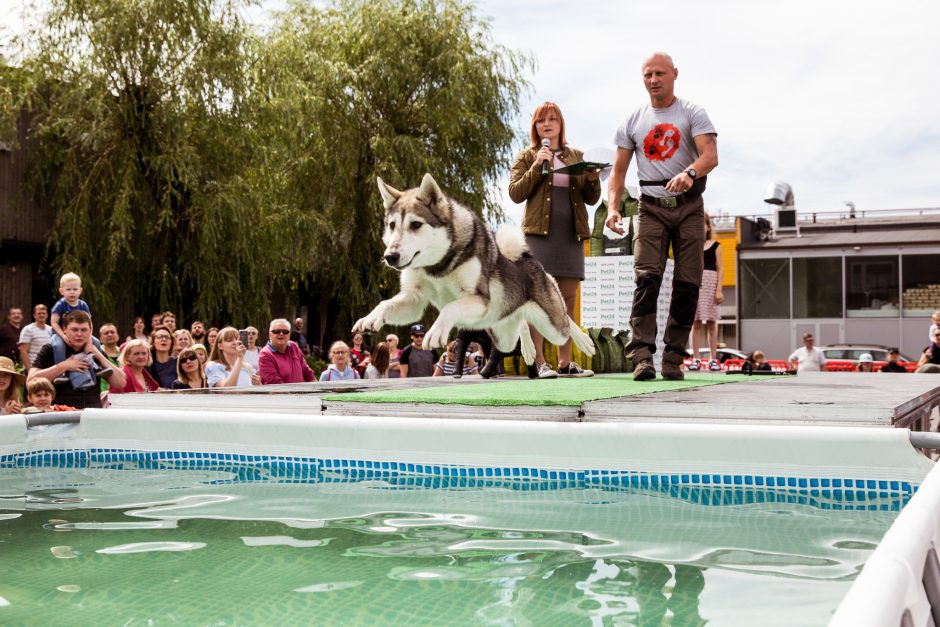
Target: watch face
(691, 172)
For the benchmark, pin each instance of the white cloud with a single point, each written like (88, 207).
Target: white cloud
(837, 98)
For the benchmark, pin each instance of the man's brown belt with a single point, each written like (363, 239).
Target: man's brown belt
(671, 202)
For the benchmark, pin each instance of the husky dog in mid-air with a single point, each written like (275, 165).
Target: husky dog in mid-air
(476, 280)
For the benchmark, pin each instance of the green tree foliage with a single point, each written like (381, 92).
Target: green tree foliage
(386, 88)
(197, 165)
(139, 115)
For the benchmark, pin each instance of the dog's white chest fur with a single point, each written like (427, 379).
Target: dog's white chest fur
(462, 281)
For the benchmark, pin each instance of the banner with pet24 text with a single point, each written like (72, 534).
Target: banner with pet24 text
(607, 296)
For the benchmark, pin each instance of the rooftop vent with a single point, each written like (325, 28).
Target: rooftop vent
(780, 195)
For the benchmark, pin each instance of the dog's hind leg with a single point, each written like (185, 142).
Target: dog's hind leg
(505, 334)
(553, 328)
(559, 335)
(581, 339)
(528, 346)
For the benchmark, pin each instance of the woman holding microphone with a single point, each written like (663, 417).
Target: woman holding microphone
(555, 221)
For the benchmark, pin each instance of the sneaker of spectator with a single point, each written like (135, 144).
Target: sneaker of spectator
(573, 369)
(545, 371)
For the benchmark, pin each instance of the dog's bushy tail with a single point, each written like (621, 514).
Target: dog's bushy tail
(581, 339)
(511, 242)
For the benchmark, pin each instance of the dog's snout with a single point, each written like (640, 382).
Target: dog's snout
(392, 258)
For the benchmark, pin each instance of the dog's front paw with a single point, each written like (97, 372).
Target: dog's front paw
(436, 337)
(372, 322)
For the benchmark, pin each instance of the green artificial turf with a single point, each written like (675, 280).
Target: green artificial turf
(562, 391)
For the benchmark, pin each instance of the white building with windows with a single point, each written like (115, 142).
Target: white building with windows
(869, 279)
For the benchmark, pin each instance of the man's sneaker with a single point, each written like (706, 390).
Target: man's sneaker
(532, 371)
(672, 372)
(574, 370)
(546, 372)
(695, 364)
(644, 370)
(714, 366)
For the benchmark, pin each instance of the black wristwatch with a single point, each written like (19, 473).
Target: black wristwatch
(692, 173)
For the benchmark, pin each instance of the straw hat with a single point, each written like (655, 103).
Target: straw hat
(6, 365)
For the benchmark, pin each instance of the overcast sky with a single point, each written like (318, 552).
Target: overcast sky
(839, 98)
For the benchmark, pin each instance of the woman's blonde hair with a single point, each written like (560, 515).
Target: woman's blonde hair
(540, 112)
(181, 332)
(133, 344)
(709, 227)
(335, 345)
(225, 335)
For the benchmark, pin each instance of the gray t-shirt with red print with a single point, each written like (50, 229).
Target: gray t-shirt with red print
(662, 140)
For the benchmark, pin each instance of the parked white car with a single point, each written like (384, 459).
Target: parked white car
(851, 352)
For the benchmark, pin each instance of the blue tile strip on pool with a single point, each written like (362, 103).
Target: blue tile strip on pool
(706, 489)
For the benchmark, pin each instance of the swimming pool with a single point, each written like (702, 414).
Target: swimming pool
(133, 516)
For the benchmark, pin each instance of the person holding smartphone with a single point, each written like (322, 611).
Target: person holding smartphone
(227, 367)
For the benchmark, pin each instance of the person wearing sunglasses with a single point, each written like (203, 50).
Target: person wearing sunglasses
(415, 360)
(930, 359)
(189, 372)
(281, 360)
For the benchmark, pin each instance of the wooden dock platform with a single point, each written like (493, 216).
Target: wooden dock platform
(825, 398)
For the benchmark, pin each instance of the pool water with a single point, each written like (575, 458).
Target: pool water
(126, 545)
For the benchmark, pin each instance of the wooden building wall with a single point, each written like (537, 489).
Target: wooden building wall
(24, 229)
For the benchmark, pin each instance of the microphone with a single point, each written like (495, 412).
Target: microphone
(545, 144)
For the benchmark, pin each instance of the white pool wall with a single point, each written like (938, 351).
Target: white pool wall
(648, 447)
(891, 581)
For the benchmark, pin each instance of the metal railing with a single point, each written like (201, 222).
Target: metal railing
(724, 222)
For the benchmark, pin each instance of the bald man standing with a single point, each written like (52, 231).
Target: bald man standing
(675, 145)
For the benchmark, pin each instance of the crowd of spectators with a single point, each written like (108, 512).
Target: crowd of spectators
(60, 359)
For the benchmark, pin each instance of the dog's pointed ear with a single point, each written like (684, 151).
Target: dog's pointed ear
(430, 191)
(389, 193)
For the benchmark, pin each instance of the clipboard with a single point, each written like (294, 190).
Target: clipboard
(576, 169)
